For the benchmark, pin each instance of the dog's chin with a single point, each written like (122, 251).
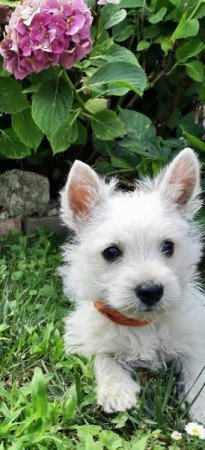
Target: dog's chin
(145, 312)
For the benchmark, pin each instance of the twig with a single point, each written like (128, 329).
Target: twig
(162, 72)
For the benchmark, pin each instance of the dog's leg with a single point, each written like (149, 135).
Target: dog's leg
(116, 390)
(195, 386)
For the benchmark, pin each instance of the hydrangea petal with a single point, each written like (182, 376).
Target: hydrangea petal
(40, 35)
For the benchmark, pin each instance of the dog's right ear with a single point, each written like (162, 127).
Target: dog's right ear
(180, 182)
(83, 191)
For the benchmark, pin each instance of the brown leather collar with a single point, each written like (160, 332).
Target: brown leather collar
(118, 317)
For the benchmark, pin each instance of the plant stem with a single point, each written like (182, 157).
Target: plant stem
(80, 101)
(196, 9)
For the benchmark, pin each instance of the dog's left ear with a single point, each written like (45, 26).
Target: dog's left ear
(83, 191)
(180, 181)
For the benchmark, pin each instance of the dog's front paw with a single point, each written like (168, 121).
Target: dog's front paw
(117, 396)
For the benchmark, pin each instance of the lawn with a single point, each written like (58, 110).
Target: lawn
(47, 399)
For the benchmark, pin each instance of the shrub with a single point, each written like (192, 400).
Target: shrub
(136, 97)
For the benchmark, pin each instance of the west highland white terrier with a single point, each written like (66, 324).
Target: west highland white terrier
(131, 273)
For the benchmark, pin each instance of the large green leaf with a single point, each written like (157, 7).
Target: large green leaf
(137, 124)
(26, 129)
(120, 74)
(51, 105)
(12, 98)
(140, 138)
(10, 145)
(189, 49)
(111, 15)
(45, 75)
(116, 18)
(121, 33)
(65, 135)
(106, 125)
(195, 70)
(103, 147)
(140, 443)
(186, 28)
(110, 53)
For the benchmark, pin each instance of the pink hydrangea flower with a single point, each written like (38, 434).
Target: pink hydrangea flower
(46, 33)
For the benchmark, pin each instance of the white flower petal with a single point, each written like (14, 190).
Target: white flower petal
(176, 435)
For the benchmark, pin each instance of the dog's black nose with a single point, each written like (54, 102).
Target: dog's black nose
(149, 293)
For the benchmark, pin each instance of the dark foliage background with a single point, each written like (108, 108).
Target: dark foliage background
(127, 108)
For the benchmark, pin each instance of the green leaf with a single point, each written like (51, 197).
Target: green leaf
(12, 99)
(158, 16)
(185, 28)
(26, 129)
(195, 141)
(13, 3)
(140, 444)
(140, 138)
(45, 75)
(103, 147)
(136, 123)
(121, 74)
(121, 163)
(166, 44)
(87, 430)
(104, 167)
(143, 45)
(195, 70)
(106, 125)
(121, 33)
(10, 145)
(201, 12)
(96, 104)
(111, 440)
(65, 135)
(82, 134)
(116, 18)
(110, 52)
(39, 393)
(189, 49)
(121, 419)
(131, 3)
(51, 105)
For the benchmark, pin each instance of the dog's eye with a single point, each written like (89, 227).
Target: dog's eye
(167, 248)
(111, 252)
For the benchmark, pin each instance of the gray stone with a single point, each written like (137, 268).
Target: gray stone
(23, 193)
(9, 224)
(30, 224)
(52, 208)
(4, 215)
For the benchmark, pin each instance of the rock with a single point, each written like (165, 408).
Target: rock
(30, 224)
(23, 193)
(52, 208)
(9, 224)
(4, 215)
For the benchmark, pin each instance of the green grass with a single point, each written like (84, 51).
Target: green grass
(47, 399)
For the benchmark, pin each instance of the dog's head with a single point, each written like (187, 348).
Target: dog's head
(137, 252)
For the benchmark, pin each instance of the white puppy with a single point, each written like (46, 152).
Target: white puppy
(131, 272)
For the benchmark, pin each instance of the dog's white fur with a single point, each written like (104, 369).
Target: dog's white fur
(138, 222)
